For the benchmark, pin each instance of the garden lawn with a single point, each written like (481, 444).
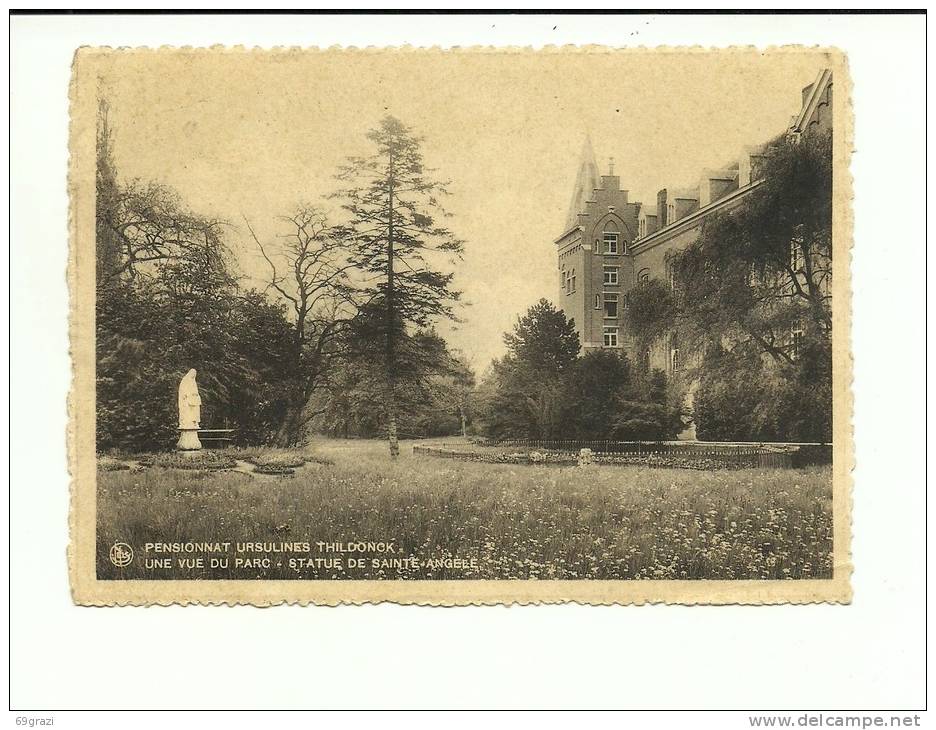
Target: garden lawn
(510, 522)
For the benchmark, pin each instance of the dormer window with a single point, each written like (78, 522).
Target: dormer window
(611, 243)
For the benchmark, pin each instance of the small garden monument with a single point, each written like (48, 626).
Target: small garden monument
(189, 413)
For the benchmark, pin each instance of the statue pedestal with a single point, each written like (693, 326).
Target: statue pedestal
(188, 440)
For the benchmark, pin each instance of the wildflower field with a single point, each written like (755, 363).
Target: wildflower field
(445, 519)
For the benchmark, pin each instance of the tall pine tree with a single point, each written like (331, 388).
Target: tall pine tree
(399, 245)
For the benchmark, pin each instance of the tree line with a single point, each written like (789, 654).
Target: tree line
(340, 337)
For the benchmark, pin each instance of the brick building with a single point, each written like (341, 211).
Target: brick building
(611, 243)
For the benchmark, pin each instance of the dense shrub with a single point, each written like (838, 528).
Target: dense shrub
(542, 390)
(746, 399)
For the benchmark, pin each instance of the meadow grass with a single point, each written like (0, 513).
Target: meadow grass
(508, 521)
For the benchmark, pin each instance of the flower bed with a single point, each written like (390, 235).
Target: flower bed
(276, 460)
(700, 462)
(292, 458)
(209, 460)
(275, 469)
(548, 458)
(703, 463)
(107, 464)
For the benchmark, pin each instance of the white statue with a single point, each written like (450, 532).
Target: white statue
(189, 413)
(189, 402)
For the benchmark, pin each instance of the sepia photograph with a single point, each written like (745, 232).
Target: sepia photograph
(457, 360)
(515, 318)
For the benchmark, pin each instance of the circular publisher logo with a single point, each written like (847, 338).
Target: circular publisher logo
(121, 554)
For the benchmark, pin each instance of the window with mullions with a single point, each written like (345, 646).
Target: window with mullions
(797, 260)
(610, 336)
(797, 338)
(611, 275)
(610, 305)
(611, 243)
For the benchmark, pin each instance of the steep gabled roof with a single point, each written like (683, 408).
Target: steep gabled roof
(811, 101)
(586, 181)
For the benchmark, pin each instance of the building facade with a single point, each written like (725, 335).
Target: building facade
(610, 244)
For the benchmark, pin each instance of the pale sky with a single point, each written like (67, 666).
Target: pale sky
(240, 134)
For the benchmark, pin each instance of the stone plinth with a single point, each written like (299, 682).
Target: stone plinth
(188, 440)
(586, 457)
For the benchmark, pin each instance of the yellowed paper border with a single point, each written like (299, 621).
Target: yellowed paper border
(87, 590)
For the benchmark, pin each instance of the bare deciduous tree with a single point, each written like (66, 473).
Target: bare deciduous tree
(308, 268)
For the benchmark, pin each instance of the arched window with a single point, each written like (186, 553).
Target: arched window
(611, 239)
(643, 275)
(671, 275)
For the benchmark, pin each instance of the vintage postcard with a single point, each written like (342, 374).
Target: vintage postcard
(450, 327)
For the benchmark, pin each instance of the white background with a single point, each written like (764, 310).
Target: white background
(867, 656)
